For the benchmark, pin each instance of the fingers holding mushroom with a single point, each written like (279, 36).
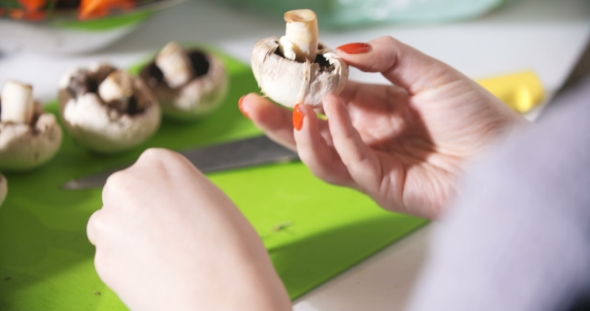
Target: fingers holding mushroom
(187, 83)
(29, 137)
(106, 109)
(296, 68)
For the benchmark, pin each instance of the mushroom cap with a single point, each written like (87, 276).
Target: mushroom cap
(3, 188)
(289, 82)
(103, 128)
(197, 98)
(26, 146)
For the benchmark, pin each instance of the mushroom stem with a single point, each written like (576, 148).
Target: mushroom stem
(17, 102)
(175, 65)
(300, 42)
(117, 89)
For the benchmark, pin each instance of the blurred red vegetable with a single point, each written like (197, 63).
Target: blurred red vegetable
(100, 8)
(35, 10)
(28, 15)
(32, 5)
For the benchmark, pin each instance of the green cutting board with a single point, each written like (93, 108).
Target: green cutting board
(46, 261)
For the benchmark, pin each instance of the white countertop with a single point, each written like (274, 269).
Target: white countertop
(545, 36)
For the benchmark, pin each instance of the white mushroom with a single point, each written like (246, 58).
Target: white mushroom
(3, 188)
(295, 68)
(29, 137)
(187, 83)
(106, 109)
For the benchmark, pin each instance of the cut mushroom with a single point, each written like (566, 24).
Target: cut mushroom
(106, 109)
(29, 137)
(296, 69)
(188, 83)
(3, 189)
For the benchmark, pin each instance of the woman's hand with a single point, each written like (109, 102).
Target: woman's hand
(404, 144)
(168, 239)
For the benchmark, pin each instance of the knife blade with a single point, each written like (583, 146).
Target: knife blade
(236, 154)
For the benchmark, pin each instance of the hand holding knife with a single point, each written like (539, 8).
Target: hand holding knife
(241, 153)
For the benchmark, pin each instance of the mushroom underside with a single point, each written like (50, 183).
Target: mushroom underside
(99, 126)
(84, 81)
(200, 96)
(105, 129)
(289, 82)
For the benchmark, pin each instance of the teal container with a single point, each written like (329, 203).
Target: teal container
(336, 14)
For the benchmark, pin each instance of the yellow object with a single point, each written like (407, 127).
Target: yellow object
(520, 91)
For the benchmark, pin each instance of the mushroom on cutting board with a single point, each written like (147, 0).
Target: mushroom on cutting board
(106, 109)
(296, 68)
(189, 83)
(29, 137)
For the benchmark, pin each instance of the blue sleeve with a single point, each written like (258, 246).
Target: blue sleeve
(518, 236)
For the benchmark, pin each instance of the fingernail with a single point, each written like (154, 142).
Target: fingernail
(298, 117)
(240, 105)
(355, 48)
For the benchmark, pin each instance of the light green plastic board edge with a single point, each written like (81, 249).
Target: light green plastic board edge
(46, 261)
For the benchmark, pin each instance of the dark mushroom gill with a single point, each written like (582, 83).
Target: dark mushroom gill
(325, 65)
(199, 62)
(153, 76)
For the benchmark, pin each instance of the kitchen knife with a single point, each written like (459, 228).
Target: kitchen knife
(241, 153)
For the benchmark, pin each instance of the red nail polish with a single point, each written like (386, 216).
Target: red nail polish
(240, 102)
(297, 117)
(355, 48)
